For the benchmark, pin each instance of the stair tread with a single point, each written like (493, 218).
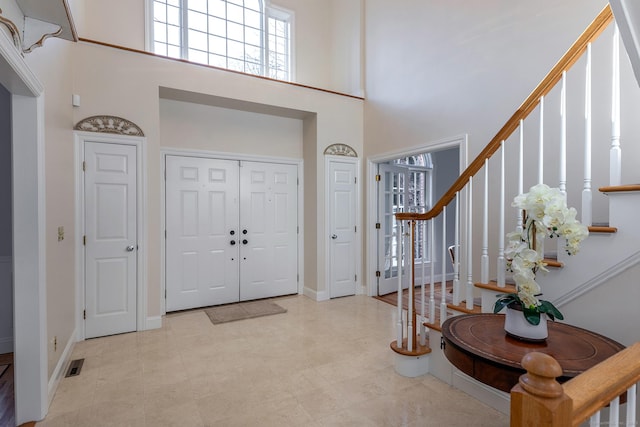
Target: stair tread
(551, 262)
(602, 229)
(493, 286)
(419, 350)
(620, 188)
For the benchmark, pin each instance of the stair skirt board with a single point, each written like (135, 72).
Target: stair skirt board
(440, 368)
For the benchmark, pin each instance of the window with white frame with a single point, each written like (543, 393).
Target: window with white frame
(249, 36)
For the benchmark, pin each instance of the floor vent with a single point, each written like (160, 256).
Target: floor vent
(74, 368)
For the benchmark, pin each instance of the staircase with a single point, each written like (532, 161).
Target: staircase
(537, 145)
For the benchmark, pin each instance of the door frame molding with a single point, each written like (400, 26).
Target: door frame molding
(168, 151)
(460, 141)
(81, 138)
(28, 222)
(328, 159)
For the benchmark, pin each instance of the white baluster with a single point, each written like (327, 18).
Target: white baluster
(443, 280)
(409, 256)
(615, 153)
(399, 241)
(631, 406)
(484, 258)
(614, 412)
(432, 278)
(562, 185)
(469, 290)
(520, 173)
(501, 262)
(587, 197)
(423, 331)
(594, 421)
(456, 255)
(541, 144)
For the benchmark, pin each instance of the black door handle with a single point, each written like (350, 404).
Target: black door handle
(233, 242)
(245, 241)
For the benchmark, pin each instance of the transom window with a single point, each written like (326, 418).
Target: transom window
(240, 35)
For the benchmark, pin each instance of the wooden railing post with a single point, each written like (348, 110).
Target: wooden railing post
(538, 399)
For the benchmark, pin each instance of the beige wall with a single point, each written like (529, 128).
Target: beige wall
(204, 127)
(53, 66)
(111, 81)
(326, 49)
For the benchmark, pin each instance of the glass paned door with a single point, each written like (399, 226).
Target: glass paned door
(392, 198)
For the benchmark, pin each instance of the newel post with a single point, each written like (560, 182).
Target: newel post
(538, 399)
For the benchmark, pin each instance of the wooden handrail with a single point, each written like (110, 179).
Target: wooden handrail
(595, 388)
(552, 78)
(538, 399)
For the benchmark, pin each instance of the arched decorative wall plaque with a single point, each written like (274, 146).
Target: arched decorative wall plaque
(109, 124)
(340, 150)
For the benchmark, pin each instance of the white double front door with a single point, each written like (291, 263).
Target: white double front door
(231, 231)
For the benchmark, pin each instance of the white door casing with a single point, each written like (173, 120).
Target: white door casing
(392, 191)
(372, 213)
(232, 231)
(268, 230)
(342, 239)
(202, 246)
(111, 244)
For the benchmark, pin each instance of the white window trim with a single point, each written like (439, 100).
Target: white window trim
(281, 13)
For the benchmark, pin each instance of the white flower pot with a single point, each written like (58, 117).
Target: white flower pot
(516, 325)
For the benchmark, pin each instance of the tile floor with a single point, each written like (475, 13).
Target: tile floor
(319, 364)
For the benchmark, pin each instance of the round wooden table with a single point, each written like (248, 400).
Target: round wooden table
(477, 345)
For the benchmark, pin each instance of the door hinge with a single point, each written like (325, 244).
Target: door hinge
(165, 234)
(355, 228)
(84, 314)
(84, 240)
(378, 273)
(298, 230)
(165, 293)
(297, 278)
(378, 177)
(377, 226)
(355, 180)
(84, 166)
(355, 279)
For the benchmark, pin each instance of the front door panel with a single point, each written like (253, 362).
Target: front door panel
(268, 218)
(202, 232)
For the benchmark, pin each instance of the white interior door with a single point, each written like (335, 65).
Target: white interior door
(392, 198)
(111, 234)
(269, 236)
(342, 226)
(202, 240)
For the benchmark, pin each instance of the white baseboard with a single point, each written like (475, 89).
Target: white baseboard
(6, 345)
(315, 295)
(153, 322)
(61, 366)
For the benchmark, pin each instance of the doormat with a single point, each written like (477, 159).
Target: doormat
(243, 310)
(3, 368)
